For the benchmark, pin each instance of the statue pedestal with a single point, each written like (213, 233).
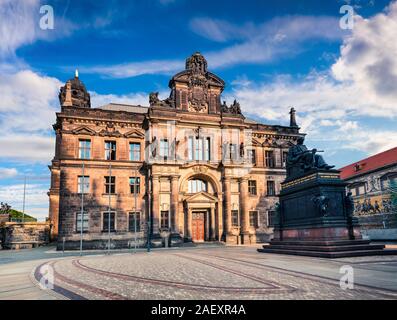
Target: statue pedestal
(313, 219)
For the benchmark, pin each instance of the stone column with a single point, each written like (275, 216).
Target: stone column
(212, 234)
(174, 204)
(227, 208)
(189, 224)
(155, 205)
(244, 213)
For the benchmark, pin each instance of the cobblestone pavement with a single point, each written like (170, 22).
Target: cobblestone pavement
(219, 273)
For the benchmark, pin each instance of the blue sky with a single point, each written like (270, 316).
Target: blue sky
(272, 55)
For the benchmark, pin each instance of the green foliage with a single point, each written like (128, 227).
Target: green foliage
(16, 215)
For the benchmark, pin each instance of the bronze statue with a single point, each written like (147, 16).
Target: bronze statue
(349, 204)
(307, 159)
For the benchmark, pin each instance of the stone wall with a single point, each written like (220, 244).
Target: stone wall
(379, 226)
(27, 235)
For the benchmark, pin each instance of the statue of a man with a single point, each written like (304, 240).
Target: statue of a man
(349, 204)
(308, 158)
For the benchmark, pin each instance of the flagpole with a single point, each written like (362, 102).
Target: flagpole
(24, 195)
(110, 184)
(82, 211)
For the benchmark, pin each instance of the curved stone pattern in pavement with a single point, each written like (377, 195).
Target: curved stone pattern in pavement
(196, 274)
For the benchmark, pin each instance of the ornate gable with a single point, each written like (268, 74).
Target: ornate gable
(201, 197)
(134, 134)
(84, 130)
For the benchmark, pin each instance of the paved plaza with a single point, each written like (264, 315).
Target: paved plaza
(193, 273)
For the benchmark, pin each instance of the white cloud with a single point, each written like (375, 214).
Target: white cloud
(139, 98)
(134, 69)
(6, 173)
(36, 199)
(369, 58)
(261, 43)
(19, 25)
(337, 105)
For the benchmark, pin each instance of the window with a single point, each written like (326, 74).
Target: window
(284, 157)
(106, 221)
(252, 187)
(199, 149)
(235, 218)
(233, 152)
(135, 151)
(165, 221)
(252, 156)
(110, 150)
(253, 219)
(270, 188)
(207, 149)
(85, 221)
(84, 149)
(164, 149)
(135, 185)
(271, 215)
(196, 185)
(357, 190)
(134, 221)
(269, 156)
(83, 184)
(110, 185)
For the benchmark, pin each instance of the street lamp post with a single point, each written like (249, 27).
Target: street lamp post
(109, 189)
(82, 211)
(135, 198)
(149, 213)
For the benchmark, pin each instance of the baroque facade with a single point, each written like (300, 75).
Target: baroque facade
(188, 168)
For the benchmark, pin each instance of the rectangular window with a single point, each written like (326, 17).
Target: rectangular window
(110, 150)
(252, 187)
(269, 156)
(83, 184)
(164, 149)
(106, 222)
(233, 152)
(252, 156)
(85, 221)
(284, 155)
(207, 149)
(271, 215)
(84, 149)
(198, 155)
(235, 218)
(253, 219)
(190, 148)
(199, 149)
(110, 185)
(134, 222)
(135, 185)
(165, 221)
(135, 151)
(270, 188)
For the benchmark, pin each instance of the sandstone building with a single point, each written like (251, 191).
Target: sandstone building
(187, 168)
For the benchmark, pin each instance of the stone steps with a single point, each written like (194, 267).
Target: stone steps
(327, 249)
(323, 254)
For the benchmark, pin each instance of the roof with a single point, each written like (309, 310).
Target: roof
(369, 164)
(124, 107)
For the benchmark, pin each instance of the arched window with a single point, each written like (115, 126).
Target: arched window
(197, 185)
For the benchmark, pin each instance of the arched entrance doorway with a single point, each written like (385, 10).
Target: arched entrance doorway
(200, 217)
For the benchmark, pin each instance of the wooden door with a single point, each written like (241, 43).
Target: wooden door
(198, 226)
